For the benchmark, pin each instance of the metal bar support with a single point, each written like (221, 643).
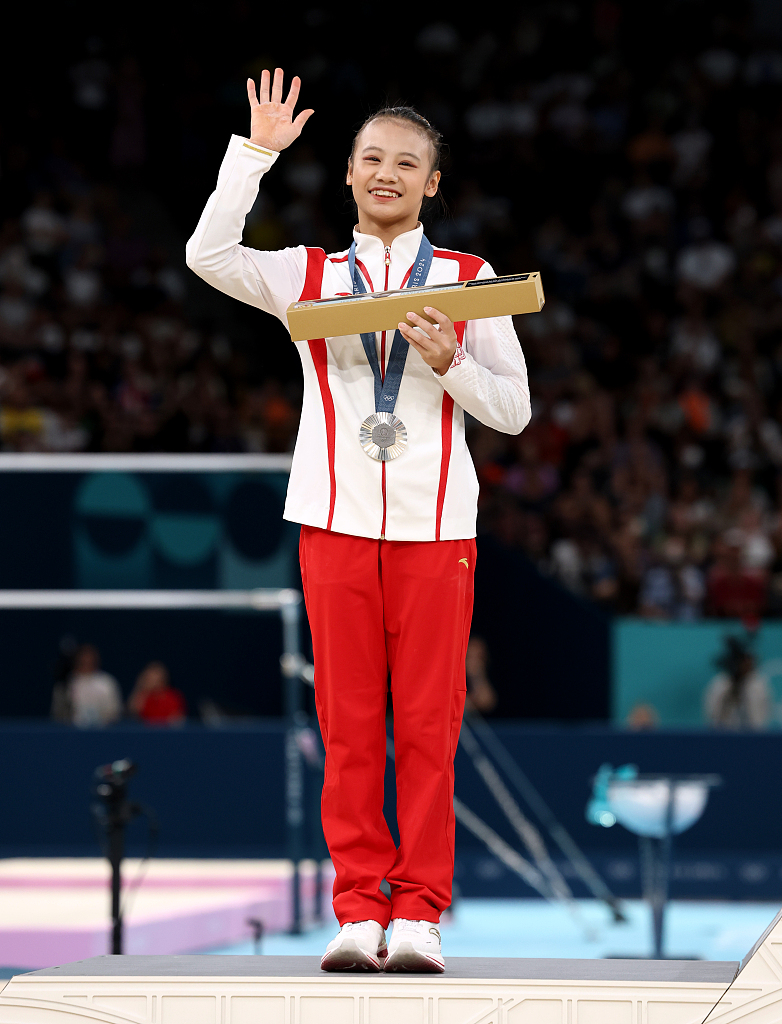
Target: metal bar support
(290, 611)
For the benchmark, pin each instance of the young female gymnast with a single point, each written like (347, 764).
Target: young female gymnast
(384, 487)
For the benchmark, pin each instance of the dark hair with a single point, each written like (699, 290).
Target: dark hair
(415, 120)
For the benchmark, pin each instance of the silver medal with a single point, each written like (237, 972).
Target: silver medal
(383, 436)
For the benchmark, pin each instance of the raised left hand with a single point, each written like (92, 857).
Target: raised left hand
(435, 342)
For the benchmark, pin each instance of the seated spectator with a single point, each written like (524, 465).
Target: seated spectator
(738, 697)
(154, 700)
(672, 587)
(93, 698)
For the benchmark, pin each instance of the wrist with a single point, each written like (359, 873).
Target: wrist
(262, 144)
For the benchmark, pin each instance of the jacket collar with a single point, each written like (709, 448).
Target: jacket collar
(404, 249)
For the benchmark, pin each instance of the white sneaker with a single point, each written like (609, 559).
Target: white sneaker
(360, 946)
(415, 946)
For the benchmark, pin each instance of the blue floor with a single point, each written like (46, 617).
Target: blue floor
(534, 928)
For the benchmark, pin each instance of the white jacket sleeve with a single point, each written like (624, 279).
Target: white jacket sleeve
(268, 280)
(488, 375)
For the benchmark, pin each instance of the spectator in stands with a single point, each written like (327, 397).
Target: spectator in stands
(153, 700)
(738, 697)
(93, 697)
(735, 590)
(672, 587)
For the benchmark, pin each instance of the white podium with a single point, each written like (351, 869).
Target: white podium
(293, 990)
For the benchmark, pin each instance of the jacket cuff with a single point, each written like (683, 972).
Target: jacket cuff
(259, 155)
(459, 357)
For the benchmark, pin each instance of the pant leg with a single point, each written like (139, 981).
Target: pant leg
(341, 580)
(428, 599)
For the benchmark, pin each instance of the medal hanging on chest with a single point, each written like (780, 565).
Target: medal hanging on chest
(383, 436)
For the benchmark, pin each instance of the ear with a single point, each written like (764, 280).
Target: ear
(433, 184)
(349, 175)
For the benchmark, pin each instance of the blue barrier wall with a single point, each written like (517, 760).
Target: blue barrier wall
(219, 792)
(669, 665)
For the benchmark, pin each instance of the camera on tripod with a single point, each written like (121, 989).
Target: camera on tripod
(111, 779)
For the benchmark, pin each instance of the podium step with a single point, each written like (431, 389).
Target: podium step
(293, 990)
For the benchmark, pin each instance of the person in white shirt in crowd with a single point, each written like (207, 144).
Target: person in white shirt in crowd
(93, 697)
(386, 492)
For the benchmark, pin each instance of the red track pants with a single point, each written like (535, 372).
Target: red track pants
(376, 608)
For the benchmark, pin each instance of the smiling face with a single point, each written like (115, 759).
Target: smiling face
(390, 172)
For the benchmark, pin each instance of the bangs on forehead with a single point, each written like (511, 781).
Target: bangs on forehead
(406, 117)
(423, 151)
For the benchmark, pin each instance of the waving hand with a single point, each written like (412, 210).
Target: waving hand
(273, 125)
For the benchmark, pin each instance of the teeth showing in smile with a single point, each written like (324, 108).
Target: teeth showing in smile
(383, 192)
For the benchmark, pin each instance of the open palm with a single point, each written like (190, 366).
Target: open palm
(272, 122)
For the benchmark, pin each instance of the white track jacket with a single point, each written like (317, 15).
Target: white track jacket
(430, 492)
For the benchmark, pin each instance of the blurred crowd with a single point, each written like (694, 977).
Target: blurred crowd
(639, 169)
(96, 351)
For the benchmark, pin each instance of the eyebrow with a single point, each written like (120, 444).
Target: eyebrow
(415, 156)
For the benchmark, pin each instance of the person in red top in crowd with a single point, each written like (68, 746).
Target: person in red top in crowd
(154, 700)
(735, 590)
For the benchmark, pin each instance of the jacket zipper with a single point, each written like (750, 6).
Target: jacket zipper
(387, 261)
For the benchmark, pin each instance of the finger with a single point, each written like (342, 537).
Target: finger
(413, 337)
(423, 325)
(416, 335)
(251, 93)
(277, 86)
(441, 318)
(263, 91)
(422, 320)
(301, 119)
(293, 92)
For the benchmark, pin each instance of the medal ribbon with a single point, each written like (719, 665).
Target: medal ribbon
(387, 390)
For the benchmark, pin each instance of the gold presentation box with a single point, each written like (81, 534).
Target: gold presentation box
(383, 311)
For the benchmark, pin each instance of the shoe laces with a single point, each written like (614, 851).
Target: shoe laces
(409, 926)
(354, 924)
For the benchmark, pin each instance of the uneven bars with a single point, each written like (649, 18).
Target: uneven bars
(88, 462)
(261, 599)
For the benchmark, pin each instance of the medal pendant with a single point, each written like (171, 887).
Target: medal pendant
(383, 436)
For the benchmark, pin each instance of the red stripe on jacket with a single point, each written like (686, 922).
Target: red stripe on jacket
(313, 284)
(468, 271)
